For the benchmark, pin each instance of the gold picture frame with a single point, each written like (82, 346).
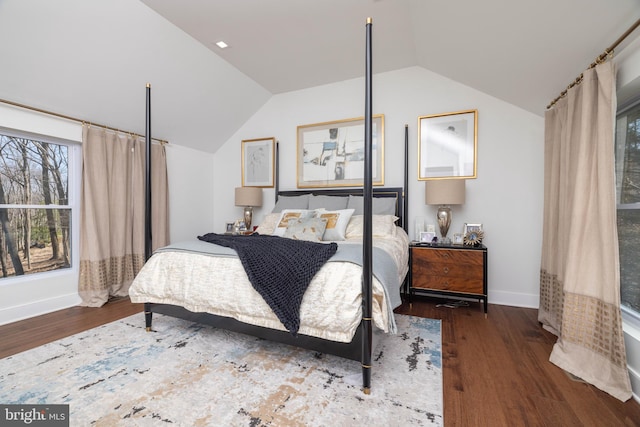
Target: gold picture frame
(258, 162)
(331, 154)
(448, 145)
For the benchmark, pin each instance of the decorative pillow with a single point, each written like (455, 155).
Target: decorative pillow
(337, 222)
(310, 229)
(268, 224)
(291, 202)
(380, 205)
(382, 226)
(288, 214)
(332, 203)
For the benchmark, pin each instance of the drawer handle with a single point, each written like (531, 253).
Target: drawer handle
(446, 270)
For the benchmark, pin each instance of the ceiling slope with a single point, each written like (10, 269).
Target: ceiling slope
(524, 53)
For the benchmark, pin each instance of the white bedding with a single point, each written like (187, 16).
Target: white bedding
(331, 307)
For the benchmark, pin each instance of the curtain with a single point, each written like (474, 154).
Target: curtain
(113, 211)
(579, 273)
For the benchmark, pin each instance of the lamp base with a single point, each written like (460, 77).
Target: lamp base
(444, 221)
(248, 216)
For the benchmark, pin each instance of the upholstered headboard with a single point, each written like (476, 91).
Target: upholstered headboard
(393, 196)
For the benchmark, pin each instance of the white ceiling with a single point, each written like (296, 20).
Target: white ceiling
(524, 53)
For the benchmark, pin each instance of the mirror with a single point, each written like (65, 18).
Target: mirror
(447, 145)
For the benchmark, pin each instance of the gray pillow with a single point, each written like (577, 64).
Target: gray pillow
(380, 205)
(330, 203)
(291, 202)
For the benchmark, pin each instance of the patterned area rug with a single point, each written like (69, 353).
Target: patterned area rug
(193, 375)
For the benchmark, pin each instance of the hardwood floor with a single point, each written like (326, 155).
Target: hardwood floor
(496, 370)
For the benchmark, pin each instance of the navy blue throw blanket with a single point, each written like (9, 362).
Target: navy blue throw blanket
(279, 269)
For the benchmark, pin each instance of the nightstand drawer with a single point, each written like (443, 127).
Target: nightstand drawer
(444, 283)
(457, 271)
(455, 256)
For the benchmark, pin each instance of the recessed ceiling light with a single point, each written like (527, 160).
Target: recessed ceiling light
(221, 44)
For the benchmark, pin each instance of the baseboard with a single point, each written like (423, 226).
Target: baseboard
(37, 308)
(514, 299)
(635, 384)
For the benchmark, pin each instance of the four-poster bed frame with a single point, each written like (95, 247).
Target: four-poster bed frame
(361, 346)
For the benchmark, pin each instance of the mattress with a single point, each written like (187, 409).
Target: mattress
(211, 279)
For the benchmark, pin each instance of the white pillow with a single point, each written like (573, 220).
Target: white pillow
(268, 224)
(382, 226)
(337, 222)
(286, 215)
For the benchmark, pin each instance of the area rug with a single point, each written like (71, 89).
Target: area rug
(193, 375)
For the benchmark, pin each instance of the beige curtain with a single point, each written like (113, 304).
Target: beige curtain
(113, 213)
(579, 274)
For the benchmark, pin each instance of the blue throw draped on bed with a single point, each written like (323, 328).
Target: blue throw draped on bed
(279, 269)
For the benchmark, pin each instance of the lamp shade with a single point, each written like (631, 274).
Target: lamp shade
(248, 196)
(444, 192)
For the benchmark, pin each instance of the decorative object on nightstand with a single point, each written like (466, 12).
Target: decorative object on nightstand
(473, 234)
(248, 197)
(444, 192)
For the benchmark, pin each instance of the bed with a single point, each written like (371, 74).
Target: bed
(343, 301)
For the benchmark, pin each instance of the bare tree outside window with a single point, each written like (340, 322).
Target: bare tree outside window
(628, 195)
(35, 215)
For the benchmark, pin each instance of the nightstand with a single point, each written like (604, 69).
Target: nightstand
(452, 271)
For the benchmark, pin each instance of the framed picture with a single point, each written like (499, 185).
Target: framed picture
(427, 236)
(229, 227)
(258, 162)
(331, 154)
(458, 239)
(447, 145)
(472, 227)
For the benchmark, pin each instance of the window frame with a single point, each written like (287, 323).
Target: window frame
(74, 179)
(629, 314)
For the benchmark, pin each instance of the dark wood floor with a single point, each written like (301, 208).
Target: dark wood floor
(496, 369)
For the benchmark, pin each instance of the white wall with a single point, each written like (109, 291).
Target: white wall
(190, 212)
(506, 197)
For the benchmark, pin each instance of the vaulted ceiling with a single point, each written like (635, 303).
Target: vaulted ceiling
(91, 60)
(524, 53)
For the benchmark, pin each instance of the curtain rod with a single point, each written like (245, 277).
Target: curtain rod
(62, 116)
(599, 60)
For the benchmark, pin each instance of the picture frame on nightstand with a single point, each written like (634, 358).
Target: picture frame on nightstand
(471, 227)
(427, 236)
(458, 239)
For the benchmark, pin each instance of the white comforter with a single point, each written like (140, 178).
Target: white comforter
(331, 307)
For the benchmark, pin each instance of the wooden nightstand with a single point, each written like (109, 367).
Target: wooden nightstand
(448, 271)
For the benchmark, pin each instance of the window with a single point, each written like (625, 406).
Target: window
(35, 212)
(628, 203)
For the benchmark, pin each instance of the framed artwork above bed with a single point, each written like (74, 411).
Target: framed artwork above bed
(331, 154)
(258, 162)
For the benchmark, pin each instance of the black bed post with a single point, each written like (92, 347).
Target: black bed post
(277, 183)
(405, 190)
(367, 271)
(147, 200)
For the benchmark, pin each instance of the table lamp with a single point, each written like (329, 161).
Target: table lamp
(248, 197)
(444, 192)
